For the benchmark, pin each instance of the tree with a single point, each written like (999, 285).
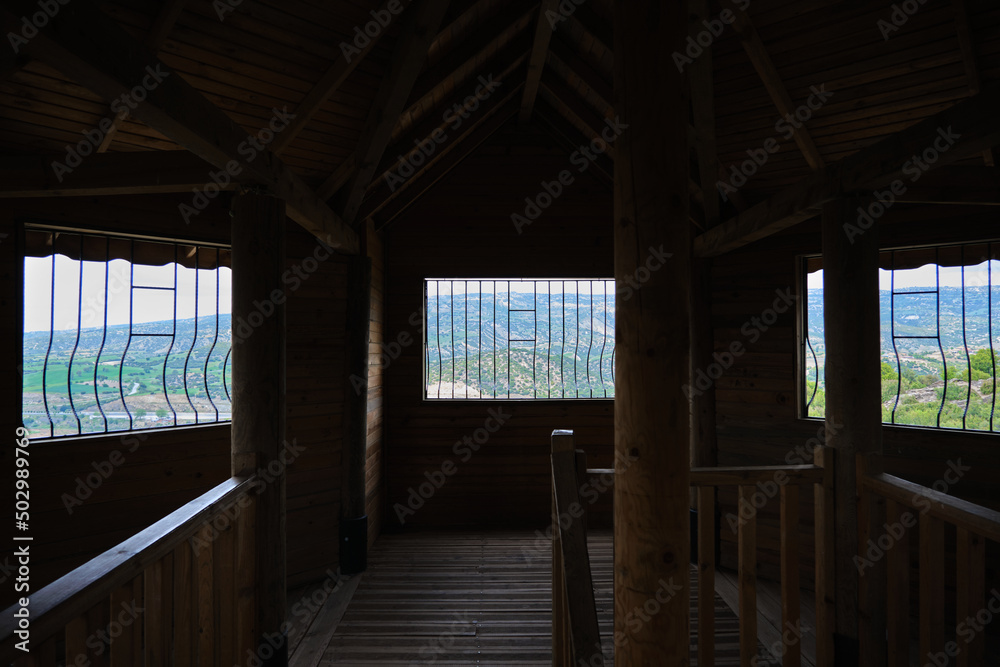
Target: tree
(161, 413)
(140, 413)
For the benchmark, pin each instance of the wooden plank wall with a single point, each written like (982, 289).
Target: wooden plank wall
(462, 229)
(757, 412)
(374, 464)
(168, 469)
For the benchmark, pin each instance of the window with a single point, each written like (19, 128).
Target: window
(939, 312)
(519, 339)
(123, 334)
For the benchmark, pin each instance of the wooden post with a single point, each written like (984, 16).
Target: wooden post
(258, 391)
(354, 520)
(652, 420)
(854, 424)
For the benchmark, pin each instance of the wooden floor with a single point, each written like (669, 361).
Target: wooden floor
(464, 599)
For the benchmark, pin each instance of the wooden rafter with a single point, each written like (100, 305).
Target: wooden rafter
(536, 62)
(447, 158)
(440, 81)
(570, 137)
(158, 32)
(443, 116)
(569, 106)
(96, 52)
(970, 125)
(703, 107)
(966, 43)
(754, 47)
(142, 172)
(568, 64)
(327, 85)
(408, 59)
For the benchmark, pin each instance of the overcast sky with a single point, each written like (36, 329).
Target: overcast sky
(149, 305)
(950, 276)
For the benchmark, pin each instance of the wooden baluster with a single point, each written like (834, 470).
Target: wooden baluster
(898, 587)
(931, 586)
(76, 640)
(206, 611)
(185, 627)
(970, 596)
(41, 655)
(123, 606)
(159, 612)
(824, 536)
(246, 580)
(224, 592)
(748, 580)
(791, 619)
(706, 575)
(98, 634)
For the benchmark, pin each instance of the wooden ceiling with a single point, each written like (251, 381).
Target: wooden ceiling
(354, 116)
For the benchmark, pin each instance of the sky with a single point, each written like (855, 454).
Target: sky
(950, 276)
(149, 305)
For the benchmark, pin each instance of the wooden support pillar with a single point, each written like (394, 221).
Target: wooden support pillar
(854, 426)
(258, 392)
(354, 520)
(652, 418)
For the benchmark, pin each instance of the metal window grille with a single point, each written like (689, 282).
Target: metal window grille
(938, 309)
(519, 339)
(101, 367)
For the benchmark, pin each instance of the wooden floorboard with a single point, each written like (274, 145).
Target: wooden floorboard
(466, 598)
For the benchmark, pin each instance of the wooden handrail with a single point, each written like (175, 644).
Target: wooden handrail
(576, 636)
(743, 475)
(970, 516)
(73, 594)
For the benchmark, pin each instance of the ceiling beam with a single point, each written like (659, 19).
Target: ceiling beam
(536, 62)
(567, 63)
(158, 32)
(754, 47)
(327, 85)
(94, 51)
(132, 173)
(967, 44)
(972, 121)
(408, 58)
(448, 158)
(570, 106)
(563, 132)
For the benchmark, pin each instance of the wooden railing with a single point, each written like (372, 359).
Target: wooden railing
(574, 618)
(756, 486)
(576, 639)
(909, 505)
(181, 592)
